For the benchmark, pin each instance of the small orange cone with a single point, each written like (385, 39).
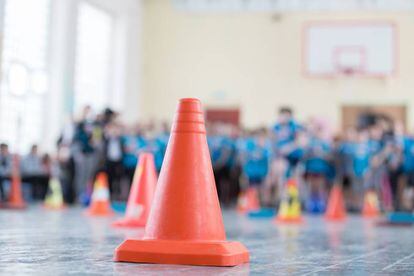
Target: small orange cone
(290, 209)
(371, 205)
(185, 225)
(100, 203)
(336, 207)
(16, 200)
(248, 201)
(141, 194)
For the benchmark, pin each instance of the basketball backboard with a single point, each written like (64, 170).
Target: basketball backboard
(349, 48)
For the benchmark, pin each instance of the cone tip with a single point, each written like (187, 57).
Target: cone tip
(189, 105)
(189, 117)
(189, 100)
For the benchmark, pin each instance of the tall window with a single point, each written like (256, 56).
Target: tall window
(93, 57)
(24, 72)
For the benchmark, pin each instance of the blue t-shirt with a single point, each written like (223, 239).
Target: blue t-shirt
(215, 145)
(346, 151)
(229, 146)
(242, 144)
(285, 133)
(361, 158)
(256, 160)
(408, 154)
(221, 147)
(157, 147)
(375, 146)
(132, 144)
(318, 162)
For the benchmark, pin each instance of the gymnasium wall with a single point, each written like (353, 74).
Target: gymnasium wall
(253, 61)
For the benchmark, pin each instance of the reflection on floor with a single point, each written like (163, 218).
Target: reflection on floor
(67, 242)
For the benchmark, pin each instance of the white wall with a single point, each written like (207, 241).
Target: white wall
(253, 60)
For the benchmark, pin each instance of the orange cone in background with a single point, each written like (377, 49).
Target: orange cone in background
(141, 194)
(336, 206)
(371, 205)
(100, 202)
(290, 210)
(185, 225)
(16, 200)
(248, 201)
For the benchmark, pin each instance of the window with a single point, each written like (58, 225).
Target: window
(93, 57)
(24, 72)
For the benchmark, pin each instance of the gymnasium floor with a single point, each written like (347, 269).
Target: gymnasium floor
(37, 241)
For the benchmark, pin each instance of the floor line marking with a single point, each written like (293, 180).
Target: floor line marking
(347, 261)
(398, 262)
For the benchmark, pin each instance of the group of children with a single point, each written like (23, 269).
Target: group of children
(100, 143)
(374, 156)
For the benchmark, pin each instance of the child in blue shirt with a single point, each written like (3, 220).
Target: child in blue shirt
(222, 152)
(295, 152)
(346, 154)
(408, 166)
(377, 168)
(361, 158)
(318, 171)
(408, 155)
(157, 147)
(285, 151)
(132, 142)
(256, 159)
(284, 131)
(318, 159)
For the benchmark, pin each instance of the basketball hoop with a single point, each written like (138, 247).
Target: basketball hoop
(349, 61)
(348, 72)
(343, 50)
(346, 75)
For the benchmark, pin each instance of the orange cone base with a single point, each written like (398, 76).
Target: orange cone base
(132, 223)
(241, 210)
(247, 210)
(210, 253)
(15, 205)
(335, 218)
(290, 220)
(100, 209)
(370, 215)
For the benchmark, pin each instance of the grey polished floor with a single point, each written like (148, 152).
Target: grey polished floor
(41, 242)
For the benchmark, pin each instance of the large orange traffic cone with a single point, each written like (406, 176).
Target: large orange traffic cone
(100, 202)
(16, 200)
(336, 207)
(141, 194)
(371, 205)
(185, 225)
(290, 210)
(248, 201)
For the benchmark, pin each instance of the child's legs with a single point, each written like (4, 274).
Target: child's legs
(394, 177)
(410, 192)
(2, 195)
(357, 192)
(235, 175)
(43, 184)
(225, 184)
(256, 183)
(113, 169)
(278, 170)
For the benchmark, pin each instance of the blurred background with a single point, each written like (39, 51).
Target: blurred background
(321, 89)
